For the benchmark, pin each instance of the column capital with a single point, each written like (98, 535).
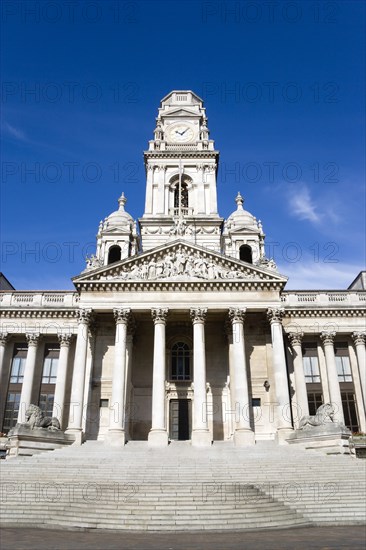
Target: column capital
(327, 337)
(65, 339)
(4, 337)
(33, 338)
(121, 315)
(84, 315)
(159, 314)
(237, 315)
(295, 338)
(198, 314)
(275, 315)
(359, 338)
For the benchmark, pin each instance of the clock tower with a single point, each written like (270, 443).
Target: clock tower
(181, 166)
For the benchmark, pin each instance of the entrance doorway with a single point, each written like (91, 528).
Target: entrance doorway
(180, 419)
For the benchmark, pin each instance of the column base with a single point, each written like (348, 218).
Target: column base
(244, 438)
(115, 438)
(201, 438)
(157, 438)
(77, 434)
(282, 435)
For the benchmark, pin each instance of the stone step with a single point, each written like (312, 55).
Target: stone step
(182, 488)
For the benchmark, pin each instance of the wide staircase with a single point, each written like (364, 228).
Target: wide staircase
(182, 488)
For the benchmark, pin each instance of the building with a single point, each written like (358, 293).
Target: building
(180, 327)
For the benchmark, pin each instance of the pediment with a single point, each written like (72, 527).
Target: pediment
(122, 230)
(182, 263)
(243, 229)
(181, 112)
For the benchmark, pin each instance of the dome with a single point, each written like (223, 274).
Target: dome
(241, 217)
(120, 217)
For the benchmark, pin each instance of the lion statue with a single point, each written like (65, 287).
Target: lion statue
(324, 415)
(34, 418)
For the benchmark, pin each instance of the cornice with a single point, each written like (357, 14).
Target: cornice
(325, 312)
(39, 313)
(158, 154)
(178, 286)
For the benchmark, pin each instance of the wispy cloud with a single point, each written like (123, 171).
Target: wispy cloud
(302, 206)
(310, 275)
(13, 132)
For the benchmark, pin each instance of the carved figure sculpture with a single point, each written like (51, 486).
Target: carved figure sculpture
(34, 418)
(324, 415)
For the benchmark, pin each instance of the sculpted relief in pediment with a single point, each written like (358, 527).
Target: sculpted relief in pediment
(178, 264)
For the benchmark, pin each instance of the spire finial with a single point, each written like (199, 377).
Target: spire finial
(122, 201)
(239, 201)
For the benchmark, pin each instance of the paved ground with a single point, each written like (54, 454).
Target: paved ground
(319, 538)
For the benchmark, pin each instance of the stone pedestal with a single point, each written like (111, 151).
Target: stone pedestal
(243, 438)
(201, 438)
(328, 438)
(25, 441)
(158, 438)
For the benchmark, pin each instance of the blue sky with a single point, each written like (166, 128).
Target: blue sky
(283, 84)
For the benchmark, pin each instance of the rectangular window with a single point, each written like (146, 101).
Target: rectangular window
(310, 363)
(50, 365)
(349, 411)
(342, 363)
(18, 364)
(46, 403)
(314, 400)
(11, 410)
(256, 402)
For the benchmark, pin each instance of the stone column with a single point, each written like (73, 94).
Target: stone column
(116, 433)
(359, 339)
(301, 395)
(30, 367)
(78, 378)
(4, 337)
(158, 435)
(59, 399)
(283, 402)
(332, 374)
(201, 436)
(131, 327)
(149, 189)
(243, 434)
(232, 410)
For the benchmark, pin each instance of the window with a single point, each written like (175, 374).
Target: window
(46, 403)
(314, 401)
(103, 403)
(310, 364)
(349, 411)
(181, 358)
(182, 200)
(11, 410)
(50, 365)
(245, 253)
(342, 363)
(256, 401)
(18, 364)
(114, 254)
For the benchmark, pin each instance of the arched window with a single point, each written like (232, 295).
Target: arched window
(114, 254)
(181, 362)
(245, 252)
(181, 200)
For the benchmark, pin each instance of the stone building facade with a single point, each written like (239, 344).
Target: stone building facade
(180, 328)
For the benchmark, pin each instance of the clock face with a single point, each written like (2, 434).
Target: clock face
(181, 133)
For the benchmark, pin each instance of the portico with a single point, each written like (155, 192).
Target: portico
(180, 327)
